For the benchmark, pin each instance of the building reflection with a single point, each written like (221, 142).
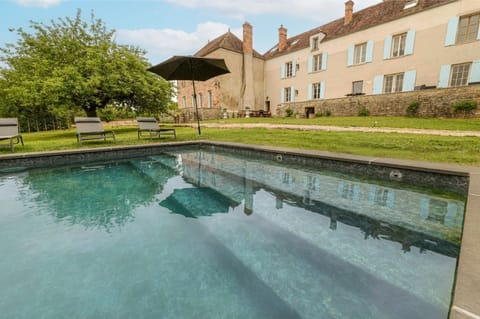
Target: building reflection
(402, 215)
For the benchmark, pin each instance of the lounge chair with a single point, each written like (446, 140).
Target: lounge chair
(91, 128)
(150, 125)
(9, 131)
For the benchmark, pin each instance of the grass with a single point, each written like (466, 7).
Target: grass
(370, 121)
(446, 149)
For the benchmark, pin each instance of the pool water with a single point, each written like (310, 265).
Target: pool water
(207, 234)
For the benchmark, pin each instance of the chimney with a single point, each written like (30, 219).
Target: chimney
(348, 12)
(282, 38)
(247, 38)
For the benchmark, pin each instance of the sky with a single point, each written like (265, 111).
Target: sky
(180, 27)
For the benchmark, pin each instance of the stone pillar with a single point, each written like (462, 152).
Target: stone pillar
(248, 85)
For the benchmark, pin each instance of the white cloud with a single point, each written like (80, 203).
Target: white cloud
(320, 10)
(163, 43)
(37, 3)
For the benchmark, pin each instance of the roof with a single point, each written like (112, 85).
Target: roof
(384, 12)
(227, 41)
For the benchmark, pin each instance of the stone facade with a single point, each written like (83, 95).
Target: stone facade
(433, 103)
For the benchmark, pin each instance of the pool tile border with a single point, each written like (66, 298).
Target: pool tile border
(460, 179)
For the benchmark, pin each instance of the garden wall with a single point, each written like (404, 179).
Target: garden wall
(432, 103)
(188, 114)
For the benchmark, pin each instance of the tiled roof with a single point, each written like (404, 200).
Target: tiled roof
(372, 16)
(227, 41)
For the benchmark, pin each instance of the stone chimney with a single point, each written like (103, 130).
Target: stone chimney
(282, 38)
(247, 38)
(348, 12)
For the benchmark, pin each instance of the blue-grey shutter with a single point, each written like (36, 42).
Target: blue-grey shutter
(369, 57)
(371, 194)
(292, 94)
(282, 95)
(282, 71)
(310, 91)
(322, 89)
(294, 68)
(310, 64)
(340, 188)
(324, 60)
(378, 84)
(452, 31)
(390, 198)
(410, 43)
(409, 80)
(449, 219)
(444, 76)
(387, 47)
(475, 72)
(351, 49)
(424, 208)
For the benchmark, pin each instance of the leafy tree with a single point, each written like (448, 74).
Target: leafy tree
(70, 65)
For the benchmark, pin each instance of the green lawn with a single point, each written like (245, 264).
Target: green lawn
(370, 121)
(447, 149)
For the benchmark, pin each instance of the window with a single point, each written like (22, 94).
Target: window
(459, 74)
(289, 69)
(200, 100)
(317, 62)
(468, 28)
(287, 94)
(360, 53)
(210, 99)
(316, 90)
(393, 83)
(357, 87)
(398, 44)
(184, 101)
(193, 101)
(315, 42)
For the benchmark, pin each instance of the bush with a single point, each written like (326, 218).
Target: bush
(412, 109)
(465, 107)
(363, 111)
(327, 112)
(289, 112)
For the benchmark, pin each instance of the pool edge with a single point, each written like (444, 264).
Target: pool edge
(466, 292)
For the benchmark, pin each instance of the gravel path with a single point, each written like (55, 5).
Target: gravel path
(341, 128)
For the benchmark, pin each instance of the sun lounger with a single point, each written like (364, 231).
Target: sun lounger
(9, 131)
(91, 128)
(150, 125)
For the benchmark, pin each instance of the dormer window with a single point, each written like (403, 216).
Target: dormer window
(410, 4)
(315, 42)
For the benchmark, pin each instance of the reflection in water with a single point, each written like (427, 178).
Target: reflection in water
(397, 214)
(98, 196)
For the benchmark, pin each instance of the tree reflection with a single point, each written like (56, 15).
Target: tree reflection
(102, 196)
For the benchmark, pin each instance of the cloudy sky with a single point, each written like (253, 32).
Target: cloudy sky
(179, 27)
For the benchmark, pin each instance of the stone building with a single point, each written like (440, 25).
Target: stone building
(425, 51)
(238, 90)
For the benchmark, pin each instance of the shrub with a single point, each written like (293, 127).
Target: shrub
(289, 112)
(465, 107)
(327, 112)
(363, 111)
(412, 109)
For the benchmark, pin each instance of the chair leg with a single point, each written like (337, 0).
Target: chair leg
(11, 144)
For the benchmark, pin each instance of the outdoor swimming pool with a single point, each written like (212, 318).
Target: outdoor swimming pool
(203, 233)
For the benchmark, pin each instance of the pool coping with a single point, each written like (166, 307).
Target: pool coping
(466, 295)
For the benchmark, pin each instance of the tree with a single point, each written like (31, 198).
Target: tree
(69, 65)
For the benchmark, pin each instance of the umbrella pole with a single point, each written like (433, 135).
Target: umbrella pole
(196, 107)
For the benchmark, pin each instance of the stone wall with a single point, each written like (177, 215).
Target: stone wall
(433, 103)
(188, 114)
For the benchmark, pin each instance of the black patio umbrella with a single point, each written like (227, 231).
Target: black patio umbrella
(190, 68)
(197, 201)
